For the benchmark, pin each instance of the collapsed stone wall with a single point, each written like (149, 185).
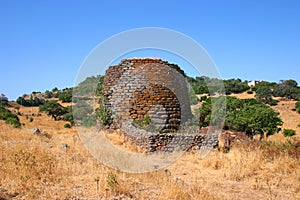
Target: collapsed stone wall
(136, 88)
(169, 142)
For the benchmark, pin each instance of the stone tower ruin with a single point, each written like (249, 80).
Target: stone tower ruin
(136, 88)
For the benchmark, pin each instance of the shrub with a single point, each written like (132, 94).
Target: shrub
(13, 121)
(111, 180)
(299, 125)
(68, 117)
(30, 102)
(193, 99)
(203, 98)
(273, 102)
(289, 132)
(67, 125)
(104, 113)
(249, 92)
(66, 95)
(89, 120)
(30, 119)
(9, 117)
(298, 106)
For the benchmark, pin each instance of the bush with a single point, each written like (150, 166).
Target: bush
(250, 92)
(30, 119)
(273, 102)
(68, 117)
(9, 117)
(193, 99)
(30, 102)
(89, 120)
(203, 98)
(111, 180)
(104, 112)
(13, 121)
(289, 132)
(67, 125)
(298, 106)
(66, 95)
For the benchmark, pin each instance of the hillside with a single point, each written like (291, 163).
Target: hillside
(290, 118)
(41, 166)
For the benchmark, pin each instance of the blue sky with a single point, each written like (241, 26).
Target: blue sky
(44, 43)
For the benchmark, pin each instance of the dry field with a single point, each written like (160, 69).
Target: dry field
(37, 167)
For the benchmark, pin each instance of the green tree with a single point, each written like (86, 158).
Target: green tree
(264, 94)
(69, 115)
(247, 115)
(287, 89)
(48, 94)
(271, 85)
(55, 89)
(235, 86)
(53, 109)
(66, 95)
(30, 102)
(104, 113)
(258, 118)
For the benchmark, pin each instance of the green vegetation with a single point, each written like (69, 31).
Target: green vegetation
(3, 100)
(53, 109)
(193, 99)
(244, 115)
(67, 125)
(203, 98)
(270, 85)
(104, 112)
(289, 132)
(146, 121)
(264, 95)
(9, 117)
(69, 115)
(90, 120)
(66, 95)
(111, 180)
(200, 85)
(235, 86)
(90, 87)
(298, 106)
(288, 89)
(30, 102)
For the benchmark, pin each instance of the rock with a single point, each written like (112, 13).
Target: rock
(35, 131)
(65, 146)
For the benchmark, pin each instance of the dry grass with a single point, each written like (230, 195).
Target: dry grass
(36, 167)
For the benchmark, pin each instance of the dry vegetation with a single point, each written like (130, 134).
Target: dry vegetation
(37, 167)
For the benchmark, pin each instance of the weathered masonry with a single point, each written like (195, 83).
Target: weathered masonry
(136, 88)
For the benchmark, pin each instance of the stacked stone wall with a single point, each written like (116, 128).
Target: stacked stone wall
(139, 87)
(169, 142)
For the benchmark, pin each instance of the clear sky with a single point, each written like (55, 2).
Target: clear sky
(43, 43)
